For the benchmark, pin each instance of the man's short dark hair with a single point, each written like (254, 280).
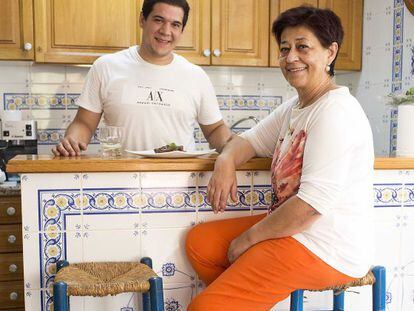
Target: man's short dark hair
(323, 23)
(149, 5)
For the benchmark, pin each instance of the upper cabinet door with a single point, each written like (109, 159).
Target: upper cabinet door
(240, 32)
(16, 30)
(351, 14)
(195, 41)
(79, 31)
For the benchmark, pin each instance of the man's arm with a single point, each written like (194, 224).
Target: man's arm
(78, 134)
(217, 134)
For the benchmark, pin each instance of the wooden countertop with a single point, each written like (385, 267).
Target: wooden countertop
(132, 163)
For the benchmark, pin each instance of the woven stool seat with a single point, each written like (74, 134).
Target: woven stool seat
(105, 278)
(368, 279)
(374, 277)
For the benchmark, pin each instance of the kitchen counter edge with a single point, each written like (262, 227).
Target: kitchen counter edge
(91, 163)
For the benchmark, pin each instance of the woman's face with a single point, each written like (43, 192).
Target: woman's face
(303, 59)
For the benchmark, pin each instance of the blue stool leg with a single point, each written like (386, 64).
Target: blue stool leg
(378, 289)
(146, 302)
(60, 298)
(296, 300)
(156, 294)
(61, 264)
(338, 301)
(147, 261)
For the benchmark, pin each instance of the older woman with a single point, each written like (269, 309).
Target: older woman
(317, 232)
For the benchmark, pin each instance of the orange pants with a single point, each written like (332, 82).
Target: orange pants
(264, 275)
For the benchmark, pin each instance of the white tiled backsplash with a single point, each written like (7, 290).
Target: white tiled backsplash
(47, 93)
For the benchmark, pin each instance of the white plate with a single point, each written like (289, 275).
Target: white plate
(172, 154)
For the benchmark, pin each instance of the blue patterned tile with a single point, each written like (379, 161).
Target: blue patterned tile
(409, 195)
(388, 195)
(249, 102)
(26, 101)
(52, 136)
(244, 199)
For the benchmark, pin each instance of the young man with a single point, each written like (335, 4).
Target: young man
(156, 95)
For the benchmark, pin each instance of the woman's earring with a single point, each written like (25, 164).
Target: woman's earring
(328, 68)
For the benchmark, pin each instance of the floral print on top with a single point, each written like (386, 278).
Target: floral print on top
(287, 169)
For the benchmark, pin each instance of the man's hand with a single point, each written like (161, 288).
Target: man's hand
(69, 146)
(222, 183)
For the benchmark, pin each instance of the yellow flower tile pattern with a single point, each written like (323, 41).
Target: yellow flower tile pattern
(26, 101)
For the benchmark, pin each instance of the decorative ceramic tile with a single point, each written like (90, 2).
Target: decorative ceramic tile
(249, 102)
(407, 290)
(398, 41)
(50, 136)
(388, 195)
(387, 244)
(76, 74)
(244, 184)
(47, 73)
(167, 194)
(359, 298)
(124, 183)
(169, 258)
(119, 245)
(14, 72)
(317, 300)
(62, 196)
(393, 299)
(31, 268)
(177, 296)
(34, 101)
(121, 302)
(262, 191)
(32, 300)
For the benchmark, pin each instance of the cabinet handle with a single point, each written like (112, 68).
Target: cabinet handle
(11, 238)
(207, 52)
(11, 211)
(27, 46)
(13, 296)
(13, 268)
(216, 52)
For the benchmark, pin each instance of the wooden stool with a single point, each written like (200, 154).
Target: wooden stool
(100, 279)
(375, 277)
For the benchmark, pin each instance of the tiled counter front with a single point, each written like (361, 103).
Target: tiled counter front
(124, 216)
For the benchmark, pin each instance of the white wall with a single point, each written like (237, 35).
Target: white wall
(47, 93)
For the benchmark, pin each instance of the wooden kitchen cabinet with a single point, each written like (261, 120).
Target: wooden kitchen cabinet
(227, 32)
(351, 14)
(11, 253)
(16, 30)
(80, 31)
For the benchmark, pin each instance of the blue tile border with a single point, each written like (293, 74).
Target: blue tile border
(35, 101)
(249, 102)
(52, 136)
(397, 61)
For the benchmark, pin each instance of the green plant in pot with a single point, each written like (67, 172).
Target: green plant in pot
(402, 99)
(405, 130)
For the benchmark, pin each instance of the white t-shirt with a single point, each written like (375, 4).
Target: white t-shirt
(328, 148)
(156, 105)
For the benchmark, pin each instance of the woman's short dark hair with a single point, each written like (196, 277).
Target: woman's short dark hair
(149, 5)
(324, 24)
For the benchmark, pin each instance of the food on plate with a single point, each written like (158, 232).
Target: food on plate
(168, 148)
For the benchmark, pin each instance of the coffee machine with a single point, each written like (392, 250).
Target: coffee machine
(16, 137)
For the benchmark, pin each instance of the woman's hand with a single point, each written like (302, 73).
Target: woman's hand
(222, 183)
(238, 246)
